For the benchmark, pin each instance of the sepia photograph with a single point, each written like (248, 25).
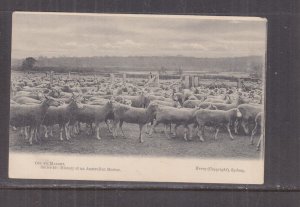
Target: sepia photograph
(135, 97)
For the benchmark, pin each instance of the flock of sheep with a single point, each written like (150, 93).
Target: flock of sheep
(38, 104)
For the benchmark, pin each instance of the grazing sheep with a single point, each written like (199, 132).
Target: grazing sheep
(30, 115)
(216, 118)
(140, 116)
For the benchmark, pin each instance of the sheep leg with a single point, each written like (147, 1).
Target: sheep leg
(195, 127)
(217, 131)
(175, 129)
(78, 127)
(67, 132)
(258, 146)
(253, 133)
(98, 131)
(140, 136)
(228, 129)
(236, 126)
(88, 129)
(120, 126)
(185, 133)
(201, 132)
(192, 131)
(71, 130)
(245, 127)
(61, 133)
(37, 133)
(166, 131)
(92, 128)
(115, 128)
(148, 127)
(108, 126)
(74, 129)
(26, 133)
(154, 124)
(91, 131)
(22, 131)
(51, 131)
(46, 132)
(31, 132)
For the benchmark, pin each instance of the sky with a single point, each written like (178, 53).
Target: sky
(87, 35)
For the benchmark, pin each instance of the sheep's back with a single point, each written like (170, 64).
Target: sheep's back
(136, 115)
(191, 103)
(211, 116)
(23, 115)
(249, 111)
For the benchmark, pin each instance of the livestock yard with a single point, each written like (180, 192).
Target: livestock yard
(100, 98)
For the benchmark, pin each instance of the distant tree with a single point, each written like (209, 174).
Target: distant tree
(28, 63)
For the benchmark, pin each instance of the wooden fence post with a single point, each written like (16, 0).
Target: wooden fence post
(196, 81)
(157, 79)
(239, 83)
(51, 78)
(124, 77)
(187, 81)
(112, 78)
(192, 81)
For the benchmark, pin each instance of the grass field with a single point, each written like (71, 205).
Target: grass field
(157, 145)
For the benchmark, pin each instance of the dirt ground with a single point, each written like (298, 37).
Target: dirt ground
(157, 145)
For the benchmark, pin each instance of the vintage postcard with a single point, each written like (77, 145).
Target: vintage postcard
(148, 98)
